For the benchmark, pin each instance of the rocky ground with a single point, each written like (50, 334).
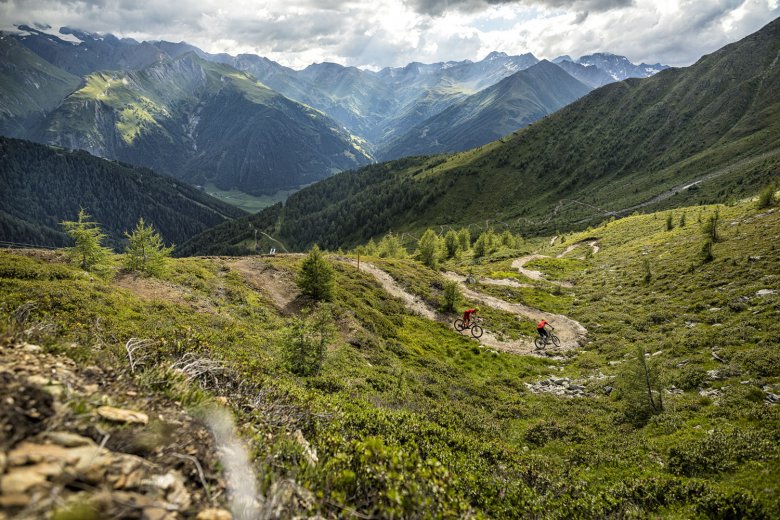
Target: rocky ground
(85, 442)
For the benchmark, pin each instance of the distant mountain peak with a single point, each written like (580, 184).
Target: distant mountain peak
(495, 55)
(563, 58)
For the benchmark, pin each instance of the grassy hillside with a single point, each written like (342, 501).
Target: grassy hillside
(410, 419)
(44, 185)
(706, 133)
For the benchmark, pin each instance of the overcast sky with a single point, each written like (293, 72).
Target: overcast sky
(378, 33)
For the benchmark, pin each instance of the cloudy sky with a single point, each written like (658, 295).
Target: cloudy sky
(378, 33)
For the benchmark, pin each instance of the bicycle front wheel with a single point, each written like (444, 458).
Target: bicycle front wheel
(458, 324)
(476, 331)
(555, 340)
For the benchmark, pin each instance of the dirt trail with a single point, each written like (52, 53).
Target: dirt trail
(519, 264)
(503, 282)
(277, 284)
(154, 289)
(570, 332)
(391, 286)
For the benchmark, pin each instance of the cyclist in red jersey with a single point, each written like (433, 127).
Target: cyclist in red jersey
(468, 315)
(540, 328)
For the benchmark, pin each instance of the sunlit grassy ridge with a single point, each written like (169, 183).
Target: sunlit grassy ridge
(411, 419)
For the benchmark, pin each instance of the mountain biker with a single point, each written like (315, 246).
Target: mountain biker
(540, 328)
(468, 315)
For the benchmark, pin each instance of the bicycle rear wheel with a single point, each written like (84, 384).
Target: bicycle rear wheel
(476, 331)
(539, 343)
(555, 340)
(458, 324)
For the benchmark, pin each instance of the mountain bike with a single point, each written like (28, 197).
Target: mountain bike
(476, 330)
(542, 341)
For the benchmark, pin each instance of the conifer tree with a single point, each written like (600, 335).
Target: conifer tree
(640, 385)
(464, 238)
(767, 197)
(305, 341)
(451, 296)
(428, 249)
(316, 276)
(390, 247)
(451, 243)
(88, 251)
(146, 251)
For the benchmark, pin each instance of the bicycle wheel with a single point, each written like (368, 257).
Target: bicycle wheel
(555, 340)
(458, 324)
(539, 343)
(476, 331)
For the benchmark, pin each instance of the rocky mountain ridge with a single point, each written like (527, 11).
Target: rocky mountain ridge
(377, 107)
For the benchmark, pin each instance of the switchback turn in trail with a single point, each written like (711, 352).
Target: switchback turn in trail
(571, 333)
(519, 263)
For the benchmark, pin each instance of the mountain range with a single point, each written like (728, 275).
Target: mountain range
(202, 122)
(512, 103)
(249, 123)
(709, 132)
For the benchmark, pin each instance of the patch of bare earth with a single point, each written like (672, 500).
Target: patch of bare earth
(278, 285)
(153, 289)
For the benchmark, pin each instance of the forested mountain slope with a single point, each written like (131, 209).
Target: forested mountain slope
(44, 185)
(202, 122)
(30, 86)
(703, 133)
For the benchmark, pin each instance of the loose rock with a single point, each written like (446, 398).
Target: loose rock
(214, 514)
(123, 416)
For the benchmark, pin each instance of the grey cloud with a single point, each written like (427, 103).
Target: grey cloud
(297, 32)
(440, 7)
(677, 39)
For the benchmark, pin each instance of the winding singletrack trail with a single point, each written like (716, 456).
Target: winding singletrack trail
(571, 333)
(519, 263)
(391, 286)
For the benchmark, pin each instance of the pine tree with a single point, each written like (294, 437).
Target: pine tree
(640, 385)
(316, 276)
(485, 244)
(451, 243)
(711, 227)
(451, 296)
(146, 251)
(88, 251)
(767, 197)
(305, 341)
(390, 247)
(428, 249)
(464, 238)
